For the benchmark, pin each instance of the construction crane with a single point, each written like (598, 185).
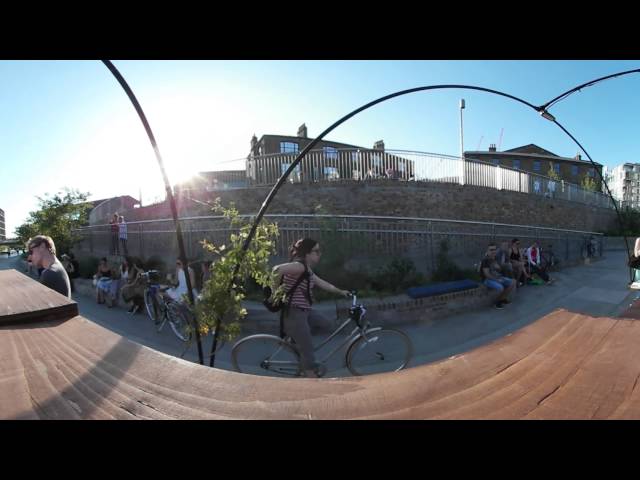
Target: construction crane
(478, 147)
(500, 141)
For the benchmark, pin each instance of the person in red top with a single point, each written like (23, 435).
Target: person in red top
(299, 316)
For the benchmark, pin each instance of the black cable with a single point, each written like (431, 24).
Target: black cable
(564, 95)
(167, 185)
(301, 155)
(604, 182)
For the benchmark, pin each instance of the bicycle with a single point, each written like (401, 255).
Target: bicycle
(368, 350)
(161, 308)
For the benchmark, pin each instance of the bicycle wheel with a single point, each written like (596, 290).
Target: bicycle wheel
(180, 321)
(265, 355)
(151, 305)
(383, 350)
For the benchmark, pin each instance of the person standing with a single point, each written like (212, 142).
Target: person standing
(115, 229)
(42, 254)
(299, 280)
(122, 229)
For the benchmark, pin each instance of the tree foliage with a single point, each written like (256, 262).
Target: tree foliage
(219, 305)
(589, 184)
(552, 174)
(58, 216)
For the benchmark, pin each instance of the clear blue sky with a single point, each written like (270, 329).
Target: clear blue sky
(70, 124)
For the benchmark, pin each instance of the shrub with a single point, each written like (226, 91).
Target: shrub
(88, 266)
(397, 276)
(446, 270)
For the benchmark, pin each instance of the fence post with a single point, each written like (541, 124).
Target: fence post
(430, 228)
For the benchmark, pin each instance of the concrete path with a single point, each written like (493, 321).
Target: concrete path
(597, 289)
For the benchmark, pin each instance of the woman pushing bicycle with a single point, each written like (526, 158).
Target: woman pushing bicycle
(299, 280)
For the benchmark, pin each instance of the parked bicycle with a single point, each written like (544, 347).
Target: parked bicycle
(368, 350)
(162, 309)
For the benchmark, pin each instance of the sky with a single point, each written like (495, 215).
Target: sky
(70, 124)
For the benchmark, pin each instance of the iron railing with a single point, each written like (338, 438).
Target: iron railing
(371, 238)
(320, 166)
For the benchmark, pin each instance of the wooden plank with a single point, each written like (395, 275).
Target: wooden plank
(23, 299)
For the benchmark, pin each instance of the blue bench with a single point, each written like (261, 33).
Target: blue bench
(441, 288)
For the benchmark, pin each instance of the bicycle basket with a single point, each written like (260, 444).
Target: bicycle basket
(154, 277)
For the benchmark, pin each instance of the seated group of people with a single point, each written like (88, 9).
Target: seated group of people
(128, 281)
(510, 266)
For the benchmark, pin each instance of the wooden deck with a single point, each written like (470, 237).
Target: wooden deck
(565, 365)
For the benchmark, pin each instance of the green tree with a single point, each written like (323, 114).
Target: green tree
(552, 174)
(588, 184)
(220, 308)
(58, 216)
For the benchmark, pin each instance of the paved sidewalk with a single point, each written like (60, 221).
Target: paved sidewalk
(596, 289)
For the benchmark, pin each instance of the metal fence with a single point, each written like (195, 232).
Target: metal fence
(371, 239)
(364, 165)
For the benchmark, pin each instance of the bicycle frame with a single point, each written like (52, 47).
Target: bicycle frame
(358, 331)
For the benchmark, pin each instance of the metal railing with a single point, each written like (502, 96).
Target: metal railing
(373, 239)
(319, 166)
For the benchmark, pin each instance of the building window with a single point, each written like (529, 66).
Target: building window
(536, 165)
(330, 153)
(574, 170)
(516, 164)
(556, 168)
(288, 147)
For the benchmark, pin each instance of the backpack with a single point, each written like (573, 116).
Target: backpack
(278, 305)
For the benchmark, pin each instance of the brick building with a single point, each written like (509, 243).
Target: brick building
(534, 159)
(3, 233)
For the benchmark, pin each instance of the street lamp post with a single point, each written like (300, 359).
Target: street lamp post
(461, 144)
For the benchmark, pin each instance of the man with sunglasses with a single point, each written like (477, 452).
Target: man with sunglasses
(42, 254)
(492, 277)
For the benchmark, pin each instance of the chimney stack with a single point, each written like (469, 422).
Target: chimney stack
(379, 145)
(492, 147)
(302, 131)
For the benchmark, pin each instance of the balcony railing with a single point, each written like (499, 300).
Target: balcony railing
(319, 166)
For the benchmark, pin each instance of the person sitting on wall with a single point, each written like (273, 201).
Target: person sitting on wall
(518, 263)
(102, 280)
(176, 293)
(133, 285)
(68, 266)
(534, 256)
(492, 277)
(504, 260)
(548, 259)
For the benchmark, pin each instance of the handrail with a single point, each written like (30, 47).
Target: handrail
(373, 217)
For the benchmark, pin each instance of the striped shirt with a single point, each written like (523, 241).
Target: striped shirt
(299, 296)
